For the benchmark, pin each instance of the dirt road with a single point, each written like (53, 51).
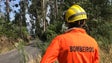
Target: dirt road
(14, 56)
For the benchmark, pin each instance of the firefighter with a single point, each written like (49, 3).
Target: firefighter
(75, 45)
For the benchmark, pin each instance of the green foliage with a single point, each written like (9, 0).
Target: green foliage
(52, 31)
(7, 30)
(101, 30)
(11, 30)
(49, 34)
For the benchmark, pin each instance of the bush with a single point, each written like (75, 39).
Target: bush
(11, 30)
(102, 31)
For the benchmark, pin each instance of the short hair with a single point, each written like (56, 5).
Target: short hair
(76, 24)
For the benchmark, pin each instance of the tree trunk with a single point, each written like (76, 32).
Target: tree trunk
(56, 9)
(43, 15)
(7, 10)
(20, 20)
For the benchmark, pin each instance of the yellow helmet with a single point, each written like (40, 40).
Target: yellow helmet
(75, 13)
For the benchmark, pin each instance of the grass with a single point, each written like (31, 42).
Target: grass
(6, 44)
(37, 60)
(106, 57)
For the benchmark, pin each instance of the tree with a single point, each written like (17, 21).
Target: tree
(7, 10)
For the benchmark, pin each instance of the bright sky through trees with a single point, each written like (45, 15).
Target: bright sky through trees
(14, 6)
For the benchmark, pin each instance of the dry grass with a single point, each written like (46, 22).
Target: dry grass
(6, 44)
(106, 57)
(37, 60)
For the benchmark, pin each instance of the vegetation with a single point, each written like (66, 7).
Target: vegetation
(99, 22)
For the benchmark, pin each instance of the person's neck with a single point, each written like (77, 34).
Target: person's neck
(75, 27)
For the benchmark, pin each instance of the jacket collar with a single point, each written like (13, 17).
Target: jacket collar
(75, 30)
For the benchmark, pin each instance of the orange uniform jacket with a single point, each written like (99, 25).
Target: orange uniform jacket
(74, 46)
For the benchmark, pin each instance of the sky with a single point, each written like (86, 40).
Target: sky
(12, 14)
(12, 3)
(15, 8)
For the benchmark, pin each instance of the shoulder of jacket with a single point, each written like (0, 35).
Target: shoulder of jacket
(61, 36)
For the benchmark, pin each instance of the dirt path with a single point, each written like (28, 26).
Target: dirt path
(14, 55)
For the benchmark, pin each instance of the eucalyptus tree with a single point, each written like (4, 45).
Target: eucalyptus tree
(7, 10)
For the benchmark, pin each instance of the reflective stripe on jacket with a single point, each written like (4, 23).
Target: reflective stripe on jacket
(74, 46)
